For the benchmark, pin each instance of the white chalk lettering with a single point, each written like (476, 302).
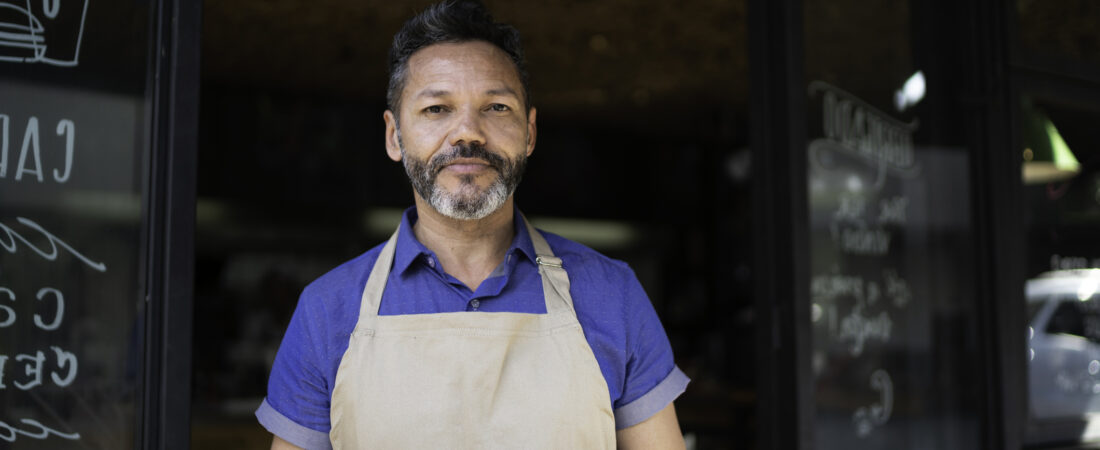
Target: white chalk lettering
(31, 370)
(870, 133)
(860, 240)
(51, 8)
(30, 142)
(66, 128)
(64, 358)
(860, 329)
(61, 365)
(8, 312)
(897, 288)
(851, 207)
(12, 246)
(867, 418)
(29, 163)
(60, 299)
(893, 210)
(10, 433)
(825, 288)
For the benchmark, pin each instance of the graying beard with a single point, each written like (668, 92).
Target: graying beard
(453, 206)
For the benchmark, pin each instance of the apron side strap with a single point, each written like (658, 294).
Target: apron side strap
(376, 283)
(555, 287)
(555, 281)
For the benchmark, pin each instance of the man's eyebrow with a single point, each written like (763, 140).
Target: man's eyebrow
(433, 93)
(502, 91)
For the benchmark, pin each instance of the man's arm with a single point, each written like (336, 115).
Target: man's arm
(662, 431)
(279, 444)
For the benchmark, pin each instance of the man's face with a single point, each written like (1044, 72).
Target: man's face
(462, 131)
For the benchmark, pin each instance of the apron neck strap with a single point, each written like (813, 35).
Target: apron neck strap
(555, 281)
(376, 283)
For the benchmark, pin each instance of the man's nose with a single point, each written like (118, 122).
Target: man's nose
(468, 128)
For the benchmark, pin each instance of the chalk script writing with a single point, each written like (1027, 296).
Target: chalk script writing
(853, 233)
(862, 240)
(13, 239)
(854, 128)
(866, 418)
(858, 329)
(897, 288)
(828, 288)
(892, 210)
(37, 431)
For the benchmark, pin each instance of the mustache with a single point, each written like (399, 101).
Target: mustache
(464, 150)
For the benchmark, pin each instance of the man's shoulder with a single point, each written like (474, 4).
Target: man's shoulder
(583, 259)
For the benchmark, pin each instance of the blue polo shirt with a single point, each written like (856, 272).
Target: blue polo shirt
(617, 317)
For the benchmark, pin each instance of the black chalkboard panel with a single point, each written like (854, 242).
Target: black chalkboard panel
(74, 141)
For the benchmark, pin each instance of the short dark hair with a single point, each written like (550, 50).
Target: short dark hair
(450, 21)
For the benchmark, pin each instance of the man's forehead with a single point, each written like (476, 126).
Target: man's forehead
(446, 67)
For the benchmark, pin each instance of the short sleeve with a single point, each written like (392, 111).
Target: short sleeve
(297, 405)
(652, 380)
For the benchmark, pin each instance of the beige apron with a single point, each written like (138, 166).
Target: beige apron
(471, 380)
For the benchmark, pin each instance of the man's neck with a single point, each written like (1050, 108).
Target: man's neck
(468, 250)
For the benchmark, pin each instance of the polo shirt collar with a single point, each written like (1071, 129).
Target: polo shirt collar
(408, 249)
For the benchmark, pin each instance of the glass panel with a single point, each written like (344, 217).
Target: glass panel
(72, 141)
(1061, 176)
(1064, 29)
(893, 308)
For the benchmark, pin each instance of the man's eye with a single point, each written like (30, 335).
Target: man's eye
(434, 109)
(499, 107)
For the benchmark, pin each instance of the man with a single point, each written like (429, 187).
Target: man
(469, 328)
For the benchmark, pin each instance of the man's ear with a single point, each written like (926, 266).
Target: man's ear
(532, 131)
(393, 145)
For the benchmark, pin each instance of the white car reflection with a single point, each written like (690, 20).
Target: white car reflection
(1064, 339)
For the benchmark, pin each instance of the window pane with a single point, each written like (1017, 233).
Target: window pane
(73, 142)
(1061, 177)
(891, 251)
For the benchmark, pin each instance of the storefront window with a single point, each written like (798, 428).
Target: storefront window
(1061, 179)
(74, 142)
(891, 241)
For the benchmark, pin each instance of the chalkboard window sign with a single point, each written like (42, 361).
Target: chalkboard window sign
(886, 216)
(80, 112)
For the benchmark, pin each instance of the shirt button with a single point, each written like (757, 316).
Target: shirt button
(475, 303)
(431, 262)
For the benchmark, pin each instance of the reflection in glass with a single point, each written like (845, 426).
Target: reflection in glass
(1063, 373)
(1061, 175)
